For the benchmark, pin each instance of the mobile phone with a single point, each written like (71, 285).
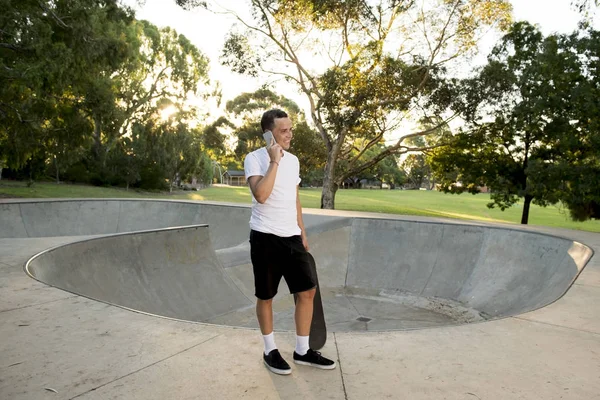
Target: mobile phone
(268, 136)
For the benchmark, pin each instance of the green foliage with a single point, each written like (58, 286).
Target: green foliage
(307, 145)
(385, 171)
(238, 55)
(161, 152)
(49, 50)
(417, 170)
(532, 123)
(212, 138)
(164, 66)
(385, 60)
(248, 105)
(77, 76)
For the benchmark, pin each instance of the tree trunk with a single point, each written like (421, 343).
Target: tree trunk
(328, 195)
(526, 205)
(56, 169)
(97, 137)
(1, 172)
(528, 198)
(173, 182)
(330, 187)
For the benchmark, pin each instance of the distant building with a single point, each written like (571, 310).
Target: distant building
(370, 184)
(234, 178)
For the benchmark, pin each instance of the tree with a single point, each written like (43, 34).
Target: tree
(308, 147)
(37, 92)
(165, 66)
(75, 76)
(531, 115)
(68, 138)
(578, 157)
(417, 165)
(417, 170)
(382, 61)
(162, 150)
(385, 171)
(213, 140)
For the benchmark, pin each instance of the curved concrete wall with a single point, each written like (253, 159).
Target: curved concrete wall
(173, 273)
(494, 270)
(100, 217)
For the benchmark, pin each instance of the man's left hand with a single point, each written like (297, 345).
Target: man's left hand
(305, 243)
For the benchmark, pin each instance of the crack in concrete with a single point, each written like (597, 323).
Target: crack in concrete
(145, 367)
(586, 285)
(556, 325)
(8, 265)
(340, 366)
(23, 220)
(38, 304)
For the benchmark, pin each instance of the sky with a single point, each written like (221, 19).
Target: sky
(207, 31)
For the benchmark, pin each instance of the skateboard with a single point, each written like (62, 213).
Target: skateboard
(318, 329)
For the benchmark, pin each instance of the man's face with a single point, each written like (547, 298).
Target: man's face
(282, 131)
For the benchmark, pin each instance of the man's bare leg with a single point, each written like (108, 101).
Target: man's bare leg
(272, 358)
(303, 354)
(303, 317)
(264, 313)
(304, 311)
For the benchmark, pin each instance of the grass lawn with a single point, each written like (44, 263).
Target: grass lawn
(408, 202)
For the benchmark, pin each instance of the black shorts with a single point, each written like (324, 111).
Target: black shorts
(273, 257)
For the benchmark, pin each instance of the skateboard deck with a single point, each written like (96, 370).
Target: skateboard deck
(318, 329)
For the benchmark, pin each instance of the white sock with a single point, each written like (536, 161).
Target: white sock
(269, 343)
(302, 345)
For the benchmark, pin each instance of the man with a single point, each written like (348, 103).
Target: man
(278, 243)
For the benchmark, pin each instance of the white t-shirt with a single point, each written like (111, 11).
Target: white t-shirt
(278, 215)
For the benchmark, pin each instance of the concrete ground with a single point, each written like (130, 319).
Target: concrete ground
(58, 345)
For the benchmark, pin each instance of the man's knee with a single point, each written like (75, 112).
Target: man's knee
(264, 303)
(307, 294)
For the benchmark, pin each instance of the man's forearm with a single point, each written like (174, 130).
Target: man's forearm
(299, 213)
(263, 187)
(301, 221)
(301, 224)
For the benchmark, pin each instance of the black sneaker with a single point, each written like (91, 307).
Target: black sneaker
(314, 359)
(276, 364)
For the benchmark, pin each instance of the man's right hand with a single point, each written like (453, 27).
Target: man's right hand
(262, 186)
(275, 152)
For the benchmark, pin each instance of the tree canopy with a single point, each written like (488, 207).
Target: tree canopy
(381, 61)
(77, 76)
(531, 125)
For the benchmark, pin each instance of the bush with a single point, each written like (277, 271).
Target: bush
(77, 173)
(151, 177)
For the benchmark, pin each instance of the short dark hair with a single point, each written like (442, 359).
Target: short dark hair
(267, 121)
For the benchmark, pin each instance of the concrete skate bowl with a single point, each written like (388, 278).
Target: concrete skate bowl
(190, 261)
